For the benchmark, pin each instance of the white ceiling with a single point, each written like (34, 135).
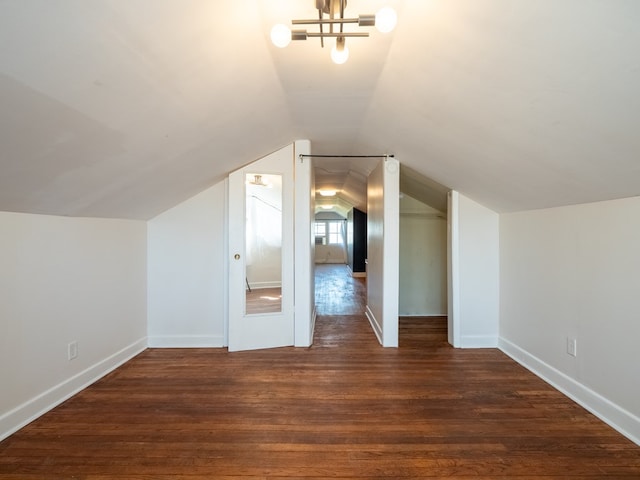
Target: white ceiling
(123, 108)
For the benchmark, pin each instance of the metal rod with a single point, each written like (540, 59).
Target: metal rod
(337, 34)
(345, 156)
(323, 21)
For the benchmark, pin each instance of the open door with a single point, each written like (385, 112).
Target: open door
(261, 250)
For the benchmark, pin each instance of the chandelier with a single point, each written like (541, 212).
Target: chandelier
(385, 21)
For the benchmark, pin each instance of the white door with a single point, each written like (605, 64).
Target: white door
(261, 250)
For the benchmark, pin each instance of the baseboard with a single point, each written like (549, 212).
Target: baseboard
(377, 328)
(314, 315)
(478, 341)
(26, 413)
(426, 315)
(186, 341)
(263, 285)
(613, 415)
(356, 274)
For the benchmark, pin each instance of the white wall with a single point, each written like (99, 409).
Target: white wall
(475, 280)
(64, 280)
(575, 272)
(423, 259)
(330, 254)
(383, 191)
(187, 273)
(305, 194)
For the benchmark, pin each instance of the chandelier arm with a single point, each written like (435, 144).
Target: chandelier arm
(331, 14)
(320, 21)
(336, 34)
(320, 18)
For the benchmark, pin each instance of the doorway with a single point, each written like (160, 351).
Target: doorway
(340, 237)
(423, 265)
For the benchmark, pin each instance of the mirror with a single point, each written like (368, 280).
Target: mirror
(263, 243)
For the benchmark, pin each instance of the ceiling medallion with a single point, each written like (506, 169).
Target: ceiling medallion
(385, 21)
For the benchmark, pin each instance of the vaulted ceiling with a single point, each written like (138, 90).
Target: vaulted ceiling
(123, 108)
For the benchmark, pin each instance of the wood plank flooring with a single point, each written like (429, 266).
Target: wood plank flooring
(343, 408)
(337, 292)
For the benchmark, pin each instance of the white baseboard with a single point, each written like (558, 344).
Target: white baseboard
(186, 341)
(478, 341)
(313, 324)
(356, 274)
(26, 413)
(261, 285)
(377, 328)
(615, 416)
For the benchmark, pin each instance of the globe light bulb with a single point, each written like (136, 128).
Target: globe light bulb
(386, 19)
(280, 35)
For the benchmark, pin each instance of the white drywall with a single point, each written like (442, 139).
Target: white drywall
(330, 254)
(305, 195)
(66, 280)
(383, 191)
(187, 273)
(474, 278)
(423, 259)
(575, 272)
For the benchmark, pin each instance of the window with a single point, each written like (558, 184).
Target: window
(321, 233)
(329, 232)
(335, 233)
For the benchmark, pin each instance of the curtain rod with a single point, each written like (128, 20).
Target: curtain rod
(345, 156)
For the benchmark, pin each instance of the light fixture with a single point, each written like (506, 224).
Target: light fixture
(280, 35)
(259, 182)
(327, 193)
(340, 53)
(385, 21)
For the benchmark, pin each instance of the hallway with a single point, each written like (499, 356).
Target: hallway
(337, 292)
(341, 301)
(340, 304)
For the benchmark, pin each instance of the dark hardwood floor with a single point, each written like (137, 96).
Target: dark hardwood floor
(343, 408)
(337, 292)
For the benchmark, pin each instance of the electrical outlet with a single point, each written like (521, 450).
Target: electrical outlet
(72, 350)
(572, 346)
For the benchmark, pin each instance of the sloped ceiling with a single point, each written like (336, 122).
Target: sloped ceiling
(123, 108)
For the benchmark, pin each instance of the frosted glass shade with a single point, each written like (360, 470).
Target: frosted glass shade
(280, 35)
(386, 19)
(339, 57)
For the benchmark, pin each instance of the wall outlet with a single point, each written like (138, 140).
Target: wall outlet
(572, 346)
(72, 350)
